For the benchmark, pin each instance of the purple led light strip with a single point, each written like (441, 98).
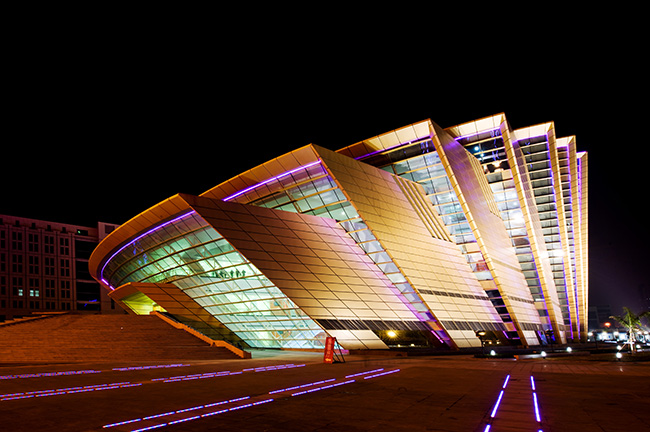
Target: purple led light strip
(238, 407)
(392, 147)
(532, 385)
(156, 228)
(255, 186)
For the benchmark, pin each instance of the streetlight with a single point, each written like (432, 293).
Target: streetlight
(591, 334)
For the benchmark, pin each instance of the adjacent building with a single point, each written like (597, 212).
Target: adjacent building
(419, 236)
(44, 267)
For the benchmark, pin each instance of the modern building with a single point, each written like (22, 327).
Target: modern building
(44, 267)
(419, 236)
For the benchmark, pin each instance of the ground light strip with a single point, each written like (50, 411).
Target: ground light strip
(496, 405)
(532, 385)
(88, 371)
(535, 403)
(49, 374)
(240, 407)
(113, 386)
(69, 390)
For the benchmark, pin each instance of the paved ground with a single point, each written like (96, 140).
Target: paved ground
(288, 391)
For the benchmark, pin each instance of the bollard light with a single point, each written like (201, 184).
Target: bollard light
(543, 353)
(493, 353)
(569, 349)
(619, 355)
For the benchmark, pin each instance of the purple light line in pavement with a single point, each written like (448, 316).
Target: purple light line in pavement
(246, 405)
(532, 385)
(496, 405)
(69, 390)
(380, 374)
(323, 388)
(49, 374)
(364, 373)
(178, 378)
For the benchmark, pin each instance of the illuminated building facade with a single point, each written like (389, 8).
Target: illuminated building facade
(424, 234)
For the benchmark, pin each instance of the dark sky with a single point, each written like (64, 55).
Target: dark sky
(105, 133)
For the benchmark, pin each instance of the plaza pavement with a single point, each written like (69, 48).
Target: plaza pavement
(293, 391)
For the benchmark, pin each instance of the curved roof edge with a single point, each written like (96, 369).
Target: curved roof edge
(138, 224)
(268, 170)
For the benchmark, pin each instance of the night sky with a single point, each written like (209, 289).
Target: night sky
(104, 134)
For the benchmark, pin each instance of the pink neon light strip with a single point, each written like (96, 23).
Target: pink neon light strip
(255, 186)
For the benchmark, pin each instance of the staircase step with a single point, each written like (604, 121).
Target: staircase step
(77, 337)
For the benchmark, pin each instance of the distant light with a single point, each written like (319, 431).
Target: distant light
(569, 349)
(618, 347)
(619, 355)
(391, 333)
(493, 353)
(543, 353)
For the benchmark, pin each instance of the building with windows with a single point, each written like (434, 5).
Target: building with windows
(44, 267)
(419, 236)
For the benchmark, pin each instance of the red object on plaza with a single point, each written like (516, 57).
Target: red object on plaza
(329, 350)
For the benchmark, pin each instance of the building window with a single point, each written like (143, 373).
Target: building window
(65, 267)
(33, 242)
(49, 244)
(34, 265)
(65, 289)
(17, 240)
(64, 246)
(17, 263)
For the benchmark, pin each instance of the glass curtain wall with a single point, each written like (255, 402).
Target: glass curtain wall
(313, 191)
(193, 256)
(538, 162)
(420, 163)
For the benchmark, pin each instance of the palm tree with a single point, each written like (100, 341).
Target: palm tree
(631, 322)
